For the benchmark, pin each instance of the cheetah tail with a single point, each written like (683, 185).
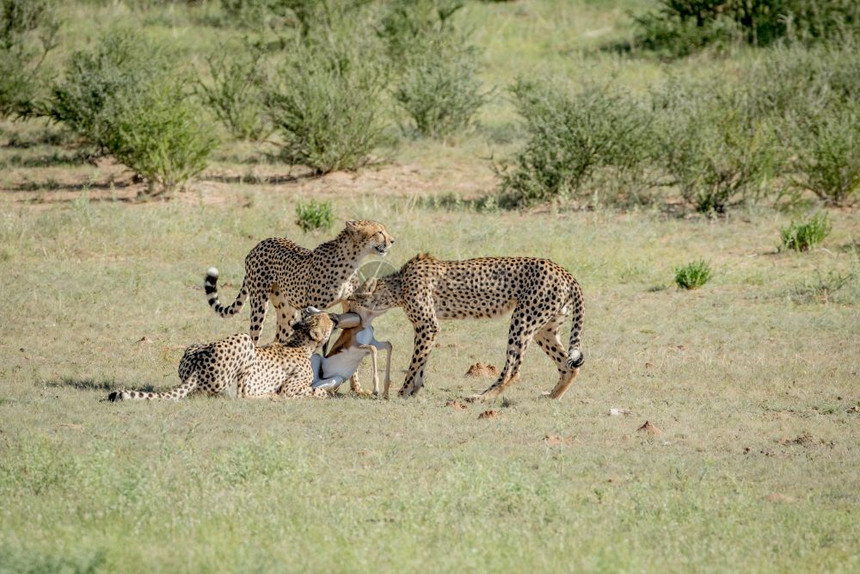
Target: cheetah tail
(574, 353)
(174, 394)
(211, 286)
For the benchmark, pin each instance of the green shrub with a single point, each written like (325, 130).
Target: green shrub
(693, 275)
(804, 235)
(123, 97)
(441, 91)
(409, 26)
(325, 107)
(680, 27)
(716, 150)
(313, 215)
(100, 80)
(436, 65)
(827, 153)
(254, 14)
(161, 135)
(235, 92)
(568, 138)
(28, 30)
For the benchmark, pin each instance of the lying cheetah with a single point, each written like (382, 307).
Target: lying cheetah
(540, 293)
(235, 365)
(293, 277)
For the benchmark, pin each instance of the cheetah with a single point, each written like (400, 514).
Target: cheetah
(294, 277)
(235, 365)
(540, 292)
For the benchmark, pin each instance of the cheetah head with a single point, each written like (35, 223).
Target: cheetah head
(370, 236)
(313, 329)
(374, 297)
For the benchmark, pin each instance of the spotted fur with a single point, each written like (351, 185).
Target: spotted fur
(235, 366)
(294, 277)
(540, 293)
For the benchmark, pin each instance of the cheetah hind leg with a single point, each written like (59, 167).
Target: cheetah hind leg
(548, 340)
(563, 384)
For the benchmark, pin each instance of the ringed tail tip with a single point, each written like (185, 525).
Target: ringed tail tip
(575, 360)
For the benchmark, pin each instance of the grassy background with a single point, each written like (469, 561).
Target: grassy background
(752, 380)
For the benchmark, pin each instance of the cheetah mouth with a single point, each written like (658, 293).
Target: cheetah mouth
(382, 250)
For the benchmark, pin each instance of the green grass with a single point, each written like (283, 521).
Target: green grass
(752, 471)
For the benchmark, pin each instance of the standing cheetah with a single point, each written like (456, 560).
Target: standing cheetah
(293, 277)
(235, 365)
(540, 293)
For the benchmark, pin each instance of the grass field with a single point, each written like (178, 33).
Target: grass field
(751, 384)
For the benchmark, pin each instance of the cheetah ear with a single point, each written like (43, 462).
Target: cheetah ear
(356, 230)
(352, 226)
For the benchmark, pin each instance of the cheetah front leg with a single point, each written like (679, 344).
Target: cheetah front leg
(286, 314)
(259, 306)
(519, 336)
(425, 338)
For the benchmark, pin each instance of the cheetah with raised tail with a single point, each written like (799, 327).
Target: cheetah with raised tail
(235, 365)
(294, 277)
(540, 293)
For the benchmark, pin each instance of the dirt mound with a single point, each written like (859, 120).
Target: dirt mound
(650, 429)
(555, 440)
(491, 414)
(482, 370)
(456, 405)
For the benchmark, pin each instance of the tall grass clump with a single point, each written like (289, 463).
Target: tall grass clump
(678, 28)
(693, 275)
(569, 138)
(123, 97)
(436, 65)
(28, 32)
(806, 234)
(324, 103)
(314, 215)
